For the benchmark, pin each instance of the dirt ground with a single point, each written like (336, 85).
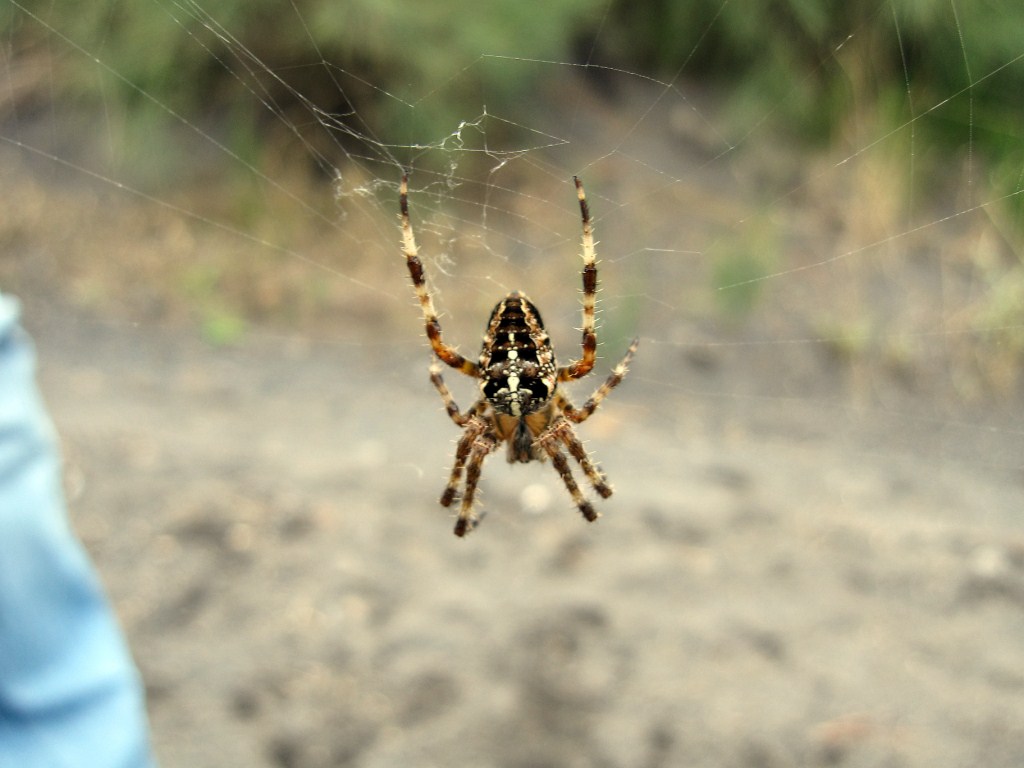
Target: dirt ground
(764, 589)
(779, 580)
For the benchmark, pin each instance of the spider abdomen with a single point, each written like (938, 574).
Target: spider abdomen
(517, 362)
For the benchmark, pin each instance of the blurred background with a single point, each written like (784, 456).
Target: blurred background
(811, 215)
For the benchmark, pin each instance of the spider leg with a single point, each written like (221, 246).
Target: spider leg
(482, 446)
(582, 367)
(561, 430)
(578, 415)
(445, 353)
(549, 440)
(449, 402)
(475, 428)
(594, 474)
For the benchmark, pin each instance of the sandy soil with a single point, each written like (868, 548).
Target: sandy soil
(785, 575)
(795, 585)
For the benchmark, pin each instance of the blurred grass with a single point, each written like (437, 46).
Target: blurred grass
(369, 64)
(739, 266)
(813, 67)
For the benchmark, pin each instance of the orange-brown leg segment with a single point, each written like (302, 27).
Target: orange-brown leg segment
(471, 420)
(445, 353)
(582, 367)
(578, 415)
(450, 406)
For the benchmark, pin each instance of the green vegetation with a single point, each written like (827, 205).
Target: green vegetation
(390, 70)
(739, 266)
(398, 70)
(812, 66)
(817, 68)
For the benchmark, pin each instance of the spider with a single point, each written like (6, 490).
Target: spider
(522, 401)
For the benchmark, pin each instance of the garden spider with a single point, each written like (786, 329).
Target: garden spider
(522, 402)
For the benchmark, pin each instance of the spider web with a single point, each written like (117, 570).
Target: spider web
(755, 271)
(814, 309)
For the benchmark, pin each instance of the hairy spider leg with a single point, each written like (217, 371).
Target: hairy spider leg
(450, 406)
(583, 366)
(471, 420)
(474, 429)
(562, 432)
(482, 445)
(445, 353)
(579, 415)
(549, 442)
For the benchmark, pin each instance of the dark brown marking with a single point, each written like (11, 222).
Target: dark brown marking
(584, 208)
(416, 270)
(588, 511)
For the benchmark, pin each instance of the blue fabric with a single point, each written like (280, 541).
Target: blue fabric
(69, 692)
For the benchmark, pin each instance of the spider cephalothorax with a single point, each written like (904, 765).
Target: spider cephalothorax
(521, 401)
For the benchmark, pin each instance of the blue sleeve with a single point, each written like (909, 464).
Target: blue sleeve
(69, 692)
